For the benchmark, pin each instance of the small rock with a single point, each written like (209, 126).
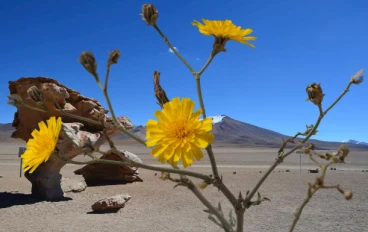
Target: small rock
(156, 174)
(73, 185)
(114, 202)
(234, 173)
(287, 170)
(260, 171)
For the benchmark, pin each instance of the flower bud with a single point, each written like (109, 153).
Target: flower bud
(114, 57)
(358, 77)
(348, 195)
(203, 185)
(343, 151)
(89, 62)
(315, 94)
(35, 94)
(149, 14)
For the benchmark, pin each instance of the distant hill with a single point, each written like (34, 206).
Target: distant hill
(227, 131)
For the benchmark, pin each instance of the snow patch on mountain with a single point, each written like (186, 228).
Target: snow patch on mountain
(352, 141)
(217, 119)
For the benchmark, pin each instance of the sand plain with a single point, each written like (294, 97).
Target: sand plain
(156, 206)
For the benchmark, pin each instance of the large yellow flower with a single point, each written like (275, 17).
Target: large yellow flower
(224, 31)
(179, 133)
(40, 148)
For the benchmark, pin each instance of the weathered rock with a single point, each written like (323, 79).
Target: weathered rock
(115, 202)
(73, 185)
(105, 174)
(46, 179)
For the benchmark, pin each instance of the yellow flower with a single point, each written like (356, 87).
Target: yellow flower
(224, 31)
(179, 133)
(40, 148)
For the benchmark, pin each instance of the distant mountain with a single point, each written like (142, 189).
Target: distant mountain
(227, 131)
(6, 131)
(351, 141)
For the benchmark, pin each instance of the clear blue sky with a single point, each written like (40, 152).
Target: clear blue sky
(299, 42)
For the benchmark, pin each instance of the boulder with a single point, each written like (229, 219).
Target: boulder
(98, 174)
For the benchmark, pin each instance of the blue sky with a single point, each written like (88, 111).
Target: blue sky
(299, 42)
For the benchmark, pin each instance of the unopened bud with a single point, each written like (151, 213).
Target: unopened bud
(315, 94)
(149, 14)
(348, 195)
(343, 151)
(35, 94)
(89, 62)
(114, 57)
(358, 77)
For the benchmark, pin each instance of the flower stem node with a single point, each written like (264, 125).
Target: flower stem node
(149, 14)
(315, 93)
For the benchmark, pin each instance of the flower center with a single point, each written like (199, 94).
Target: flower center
(179, 129)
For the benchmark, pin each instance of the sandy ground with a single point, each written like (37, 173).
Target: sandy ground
(156, 206)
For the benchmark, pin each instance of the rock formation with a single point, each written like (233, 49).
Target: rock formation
(103, 174)
(55, 96)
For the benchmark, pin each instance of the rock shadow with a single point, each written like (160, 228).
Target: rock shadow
(9, 199)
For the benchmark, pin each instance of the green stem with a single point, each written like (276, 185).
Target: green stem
(200, 97)
(102, 161)
(212, 209)
(121, 127)
(173, 49)
(106, 77)
(240, 220)
(310, 194)
(213, 54)
(300, 209)
(338, 99)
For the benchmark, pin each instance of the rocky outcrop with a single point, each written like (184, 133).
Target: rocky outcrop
(103, 174)
(77, 135)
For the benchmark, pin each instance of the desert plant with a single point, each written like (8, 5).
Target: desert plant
(179, 133)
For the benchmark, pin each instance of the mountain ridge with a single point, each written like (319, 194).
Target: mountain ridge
(227, 131)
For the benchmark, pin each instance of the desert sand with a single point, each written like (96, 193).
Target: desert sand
(156, 206)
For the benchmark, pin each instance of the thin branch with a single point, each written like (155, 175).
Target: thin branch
(212, 209)
(213, 54)
(312, 189)
(281, 158)
(173, 49)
